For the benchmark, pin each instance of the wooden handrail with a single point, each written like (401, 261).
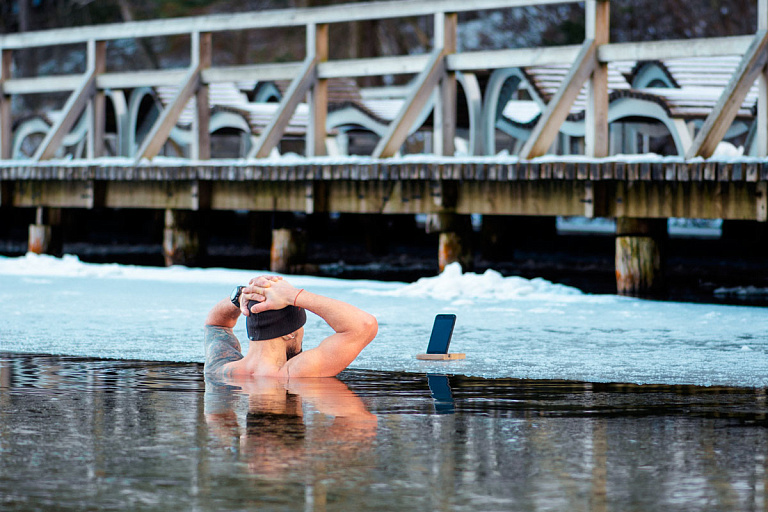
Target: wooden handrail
(258, 19)
(591, 68)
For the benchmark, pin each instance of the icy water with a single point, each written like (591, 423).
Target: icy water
(84, 434)
(508, 327)
(566, 401)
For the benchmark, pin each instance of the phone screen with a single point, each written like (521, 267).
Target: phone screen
(442, 331)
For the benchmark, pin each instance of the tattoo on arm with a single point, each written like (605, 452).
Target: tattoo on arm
(221, 347)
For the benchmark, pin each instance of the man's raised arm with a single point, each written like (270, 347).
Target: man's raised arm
(223, 314)
(354, 328)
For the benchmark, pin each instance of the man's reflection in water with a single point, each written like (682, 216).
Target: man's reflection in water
(295, 427)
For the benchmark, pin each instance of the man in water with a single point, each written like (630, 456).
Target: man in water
(275, 324)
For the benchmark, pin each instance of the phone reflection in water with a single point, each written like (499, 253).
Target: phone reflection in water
(441, 393)
(291, 428)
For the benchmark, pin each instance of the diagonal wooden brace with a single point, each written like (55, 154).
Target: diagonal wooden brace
(160, 131)
(6, 125)
(724, 112)
(75, 105)
(420, 93)
(272, 134)
(559, 106)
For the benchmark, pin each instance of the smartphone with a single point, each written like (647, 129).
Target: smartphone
(442, 331)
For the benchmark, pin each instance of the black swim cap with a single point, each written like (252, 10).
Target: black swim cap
(273, 323)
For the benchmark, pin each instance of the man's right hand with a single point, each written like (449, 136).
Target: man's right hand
(271, 292)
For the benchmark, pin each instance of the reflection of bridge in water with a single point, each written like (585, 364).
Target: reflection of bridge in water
(681, 98)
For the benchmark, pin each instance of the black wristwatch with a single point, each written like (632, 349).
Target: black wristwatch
(235, 296)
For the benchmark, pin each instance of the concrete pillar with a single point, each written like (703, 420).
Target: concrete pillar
(45, 235)
(455, 242)
(639, 256)
(182, 240)
(288, 251)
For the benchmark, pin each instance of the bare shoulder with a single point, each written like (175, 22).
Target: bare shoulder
(333, 354)
(221, 348)
(306, 364)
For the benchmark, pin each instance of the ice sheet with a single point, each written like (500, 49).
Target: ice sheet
(507, 326)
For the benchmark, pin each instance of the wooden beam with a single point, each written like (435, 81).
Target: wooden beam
(559, 106)
(75, 105)
(57, 194)
(762, 93)
(724, 112)
(272, 134)
(421, 90)
(317, 45)
(444, 114)
(258, 19)
(404, 64)
(674, 49)
(202, 54)
(264, 72)
(393, 65)
(6, 124)
(134, 79)
(515, 58)
(97, 59)
(375, 66)
(762, 14)
(156, 194)
(596, 119)
(42, 84)
(761, 119)
(160, 131)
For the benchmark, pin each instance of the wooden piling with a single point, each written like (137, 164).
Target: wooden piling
(455, 241)
(39, 238)
(45, 234)
(288, 251)
(451, 250)
(182, 243)
(639, 256)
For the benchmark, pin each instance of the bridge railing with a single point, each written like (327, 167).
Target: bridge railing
(435, 84)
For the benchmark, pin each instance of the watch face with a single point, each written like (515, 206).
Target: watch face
(235, 296)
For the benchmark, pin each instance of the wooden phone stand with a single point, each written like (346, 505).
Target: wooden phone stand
(441, 357)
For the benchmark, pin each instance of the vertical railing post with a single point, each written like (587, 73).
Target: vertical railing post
(596, 119)
(317, 97)
(762, 81)
(6, 131)
(200, 148)
(453, 242)
(95, 111)
(444, 114)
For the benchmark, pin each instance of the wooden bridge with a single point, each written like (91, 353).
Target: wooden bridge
(105, 148)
